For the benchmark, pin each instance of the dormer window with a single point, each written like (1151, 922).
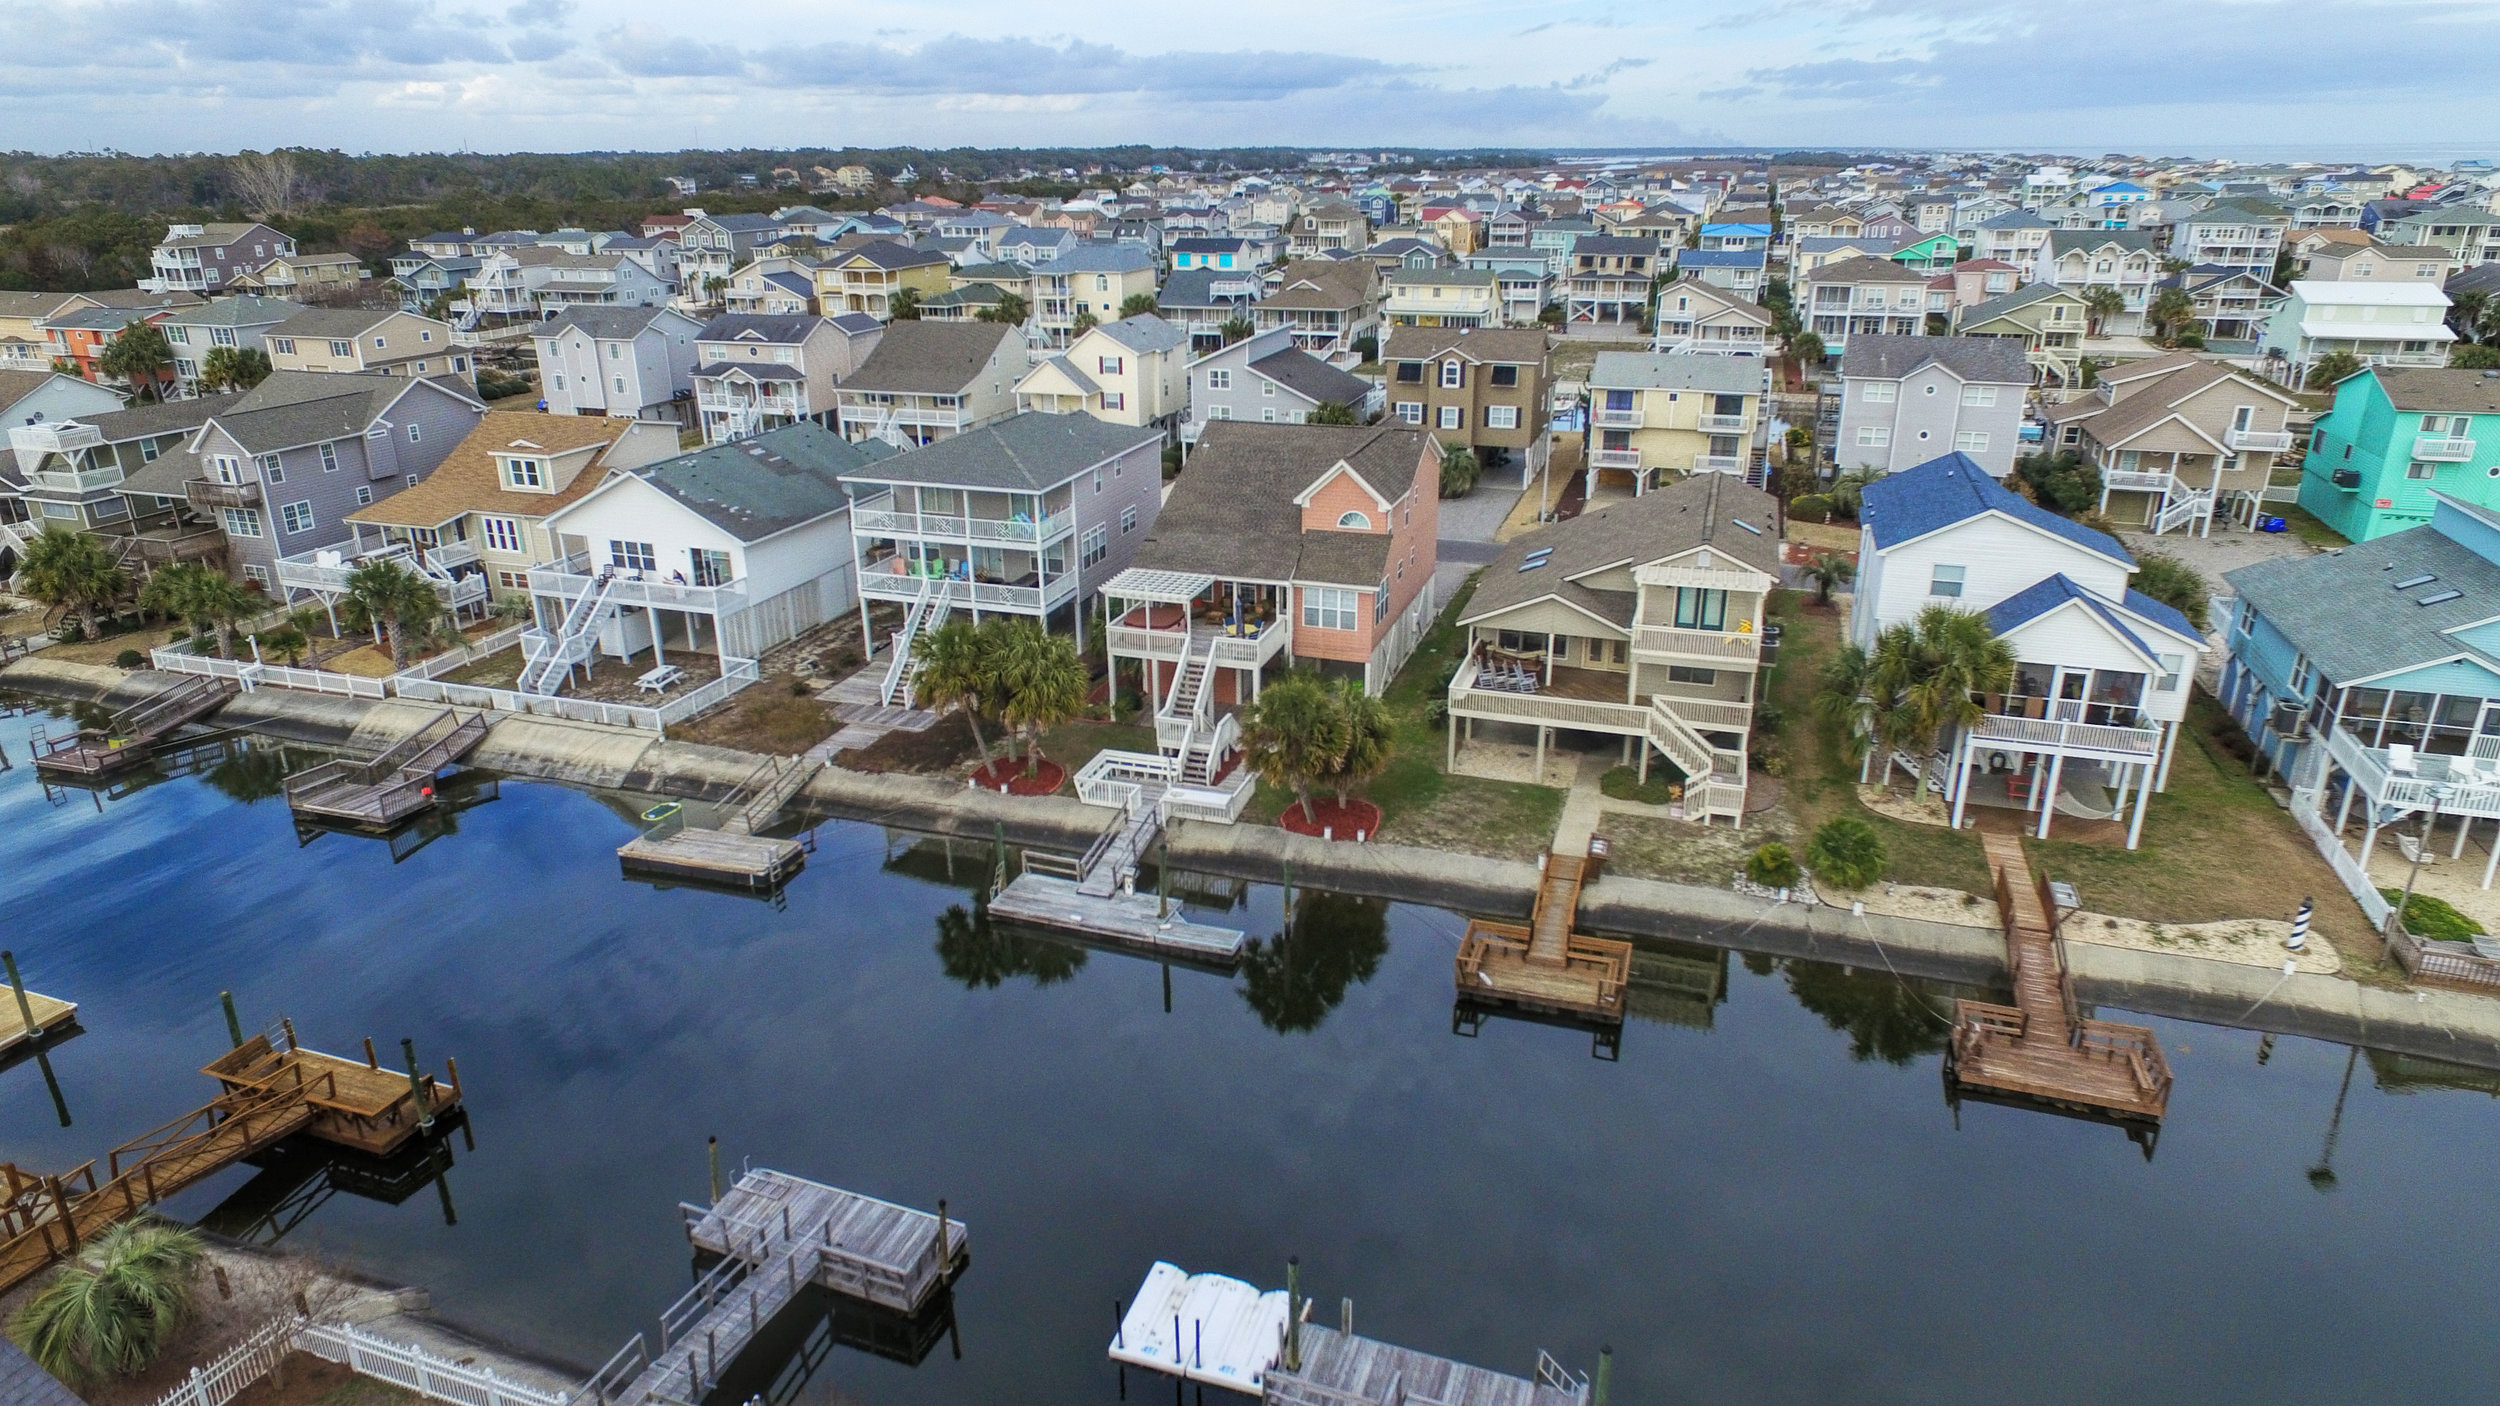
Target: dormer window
(1355, 522)
(525, 473)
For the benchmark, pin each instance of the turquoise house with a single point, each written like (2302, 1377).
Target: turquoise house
(2394, 436)
(1929, 253)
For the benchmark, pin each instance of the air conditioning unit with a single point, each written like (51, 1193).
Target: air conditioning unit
(2286, 720)
(2347, 478)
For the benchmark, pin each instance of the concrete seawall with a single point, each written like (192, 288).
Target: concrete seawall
(2434, 1022)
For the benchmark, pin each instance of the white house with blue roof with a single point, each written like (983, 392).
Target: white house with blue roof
(2370, 676)
(2102, 672)
(1739, 271)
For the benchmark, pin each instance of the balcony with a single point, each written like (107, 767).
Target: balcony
(1725, 424)
(75, 480)
(2258, 441)
(987, 595)
(208, 495)
(1615, 419)
(1614, 459)
(2132, 481)
(1718, 463)
(877, 516)
(578, 574)
(2442, 449)
(1667, 643)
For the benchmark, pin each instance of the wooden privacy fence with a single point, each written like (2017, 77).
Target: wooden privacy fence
(2429, 956)
(366, 1354)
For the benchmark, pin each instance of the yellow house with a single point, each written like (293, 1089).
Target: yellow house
(866, 278)
(1129, 372)
(1459, 230)
(1655, 416)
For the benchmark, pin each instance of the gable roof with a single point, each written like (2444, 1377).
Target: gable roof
(1864, 269)
(767, 329)
(2341, 608)
(1665, 371)
(243, 311)
(758, 487)
(2128, 620)
(1953, 489)
(22, 1383)
(2085, 241)
(1311, 378)
(606, 324)
(344, 323)
(1144, 334)
(17, 385)
(2440, 388)
(305, 407)
(1507, 344)
(1100, 258)
(1023, 453)
(934, 358)
(1700, 511)
(1885, 357)
(468, 479)
(886, 254)
(1717, 258)
(1233, 513)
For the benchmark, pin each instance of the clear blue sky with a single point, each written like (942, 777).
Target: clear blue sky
(2271, 78)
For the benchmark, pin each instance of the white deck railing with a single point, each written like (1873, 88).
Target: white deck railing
(2460, 787)
(1023, 600)
(405, 1365)
(2443, 449)
(2126, 744)
(251, 674)
(1614, 458)
(1696, 644)
(2258, 441)
(577, 575)
(646, 717)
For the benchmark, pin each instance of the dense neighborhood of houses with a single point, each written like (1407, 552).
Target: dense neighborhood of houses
(1238, 399)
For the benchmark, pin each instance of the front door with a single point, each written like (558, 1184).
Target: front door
(2073, 685)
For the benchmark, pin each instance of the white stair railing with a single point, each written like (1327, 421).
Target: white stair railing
(928, 613)
(2194, 505)
(902, 642)
(548, 657)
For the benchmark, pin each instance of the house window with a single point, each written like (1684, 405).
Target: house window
(377, 344)
(1980, 396)
(1098, 480)
(1971, 441)
(557, 381)
(241, 522)
(254, 572)
(1128, 520)
(1108, 365)
(2171, 666)
(342, 349)
(502, 534)
(513, 580)
(272, 468)
(1501, 417)
(329, 458)
(1219, 379)
(364, 494)
(1356, 521)
(225, 468)
(2418, 470)
(1219, 412)
(416, 434)
(1697, 609)
(1095, 546)
(1411, 411)
(1878, 393)
(1328, 608)
(711, 568)
(1267, 414)
(1506, 375)
(1947, 581)
(1874, 436)
(1114, 400)
(2302, 671)
(1411, 372)
(1453, 417)
(633, 556)
(296, 517)
(283, 346)
(1685, 673)
(524, 473)
(620, 384)
(1453, 374)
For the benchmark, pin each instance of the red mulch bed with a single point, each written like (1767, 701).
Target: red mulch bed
(1339, 821)
(1011, 775)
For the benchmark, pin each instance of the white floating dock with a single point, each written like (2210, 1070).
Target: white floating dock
(1127, 919)
(1202, 1328)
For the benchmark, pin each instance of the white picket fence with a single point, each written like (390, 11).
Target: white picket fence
(366, 1354)
(2374, 904)
(253, 675)
(464, 656)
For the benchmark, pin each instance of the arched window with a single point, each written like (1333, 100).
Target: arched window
(1356, 521)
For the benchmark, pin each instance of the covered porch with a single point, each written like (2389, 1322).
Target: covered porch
(1160, 618)
(2396, 782)
(2092, 761)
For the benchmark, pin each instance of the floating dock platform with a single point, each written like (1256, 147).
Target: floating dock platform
(1127, 920)
(1544, 967)
(376, 796)
(1206, 1328)
(47, 1014)
(715, 857)
(354, 1103)
(130, 735)
(1339, 1368)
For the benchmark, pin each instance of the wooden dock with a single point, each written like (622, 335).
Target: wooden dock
(1343, 1369)
(777, 1235)
(1128, 921)
(714, 857)
(2041, 1049)
(268, 1094)
(1544, 966)
(127, 737)
(374, 796)
(42, 1017)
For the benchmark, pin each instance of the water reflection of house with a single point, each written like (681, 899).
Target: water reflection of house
(2102, 672)
(1677, 983)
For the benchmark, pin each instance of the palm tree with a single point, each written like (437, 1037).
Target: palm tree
(955, 673)
(1011, 309)
(1294, 979)
(72, 571)
(1041, 683)
(2171, 312)
(2101, 303)
(1235, 329)
(2466, 310)
(233, 369)
(1959, 658)
(1371, 735)
(1828, 571)
(1334, 412)
(1460, 469)
(1296, 737)
(137, 354)
(1085, 322)
(112, 1308)
(387, 596)
(1806, 349)
(1137, 305)
(205, 597)
(1847, 851)
(2330, 368)
(904, 306)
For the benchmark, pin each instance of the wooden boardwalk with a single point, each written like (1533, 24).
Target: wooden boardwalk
(1344, 1369)
(715, 857)
(1544, 966)
(126, 738)
(379, 794)
(777, 1235)
(2041, 1048)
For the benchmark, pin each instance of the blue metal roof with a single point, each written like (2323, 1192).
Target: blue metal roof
(1951, 489)
(2041, 597)
(1719, 258)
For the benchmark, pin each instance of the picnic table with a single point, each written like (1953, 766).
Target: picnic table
(661, 679)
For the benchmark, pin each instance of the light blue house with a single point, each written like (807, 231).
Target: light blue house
(1736, 236)
(2372, 674)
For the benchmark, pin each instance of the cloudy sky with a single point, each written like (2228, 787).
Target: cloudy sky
(2400, 78)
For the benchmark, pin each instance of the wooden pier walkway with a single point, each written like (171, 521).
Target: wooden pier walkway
(378, 794)
(1343, 1369)
(2042, 1049)
(1096, 896)
(759, 801)
(1544, 966)
(777, 1235)
(268, 1094)
(126, 738)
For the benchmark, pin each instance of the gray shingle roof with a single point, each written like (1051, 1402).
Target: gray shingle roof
(770, 329)
(607, 324)
(1702, 510)
(1658, 371)
(1022, 454)
(754, 488)
(1145, 333)
(245, 311)
(22, 1383)
(930, 358)
(330, 322)
(1232, 512)
(1889, 358)
(1864, 269)
(305, 407)
(2343, 611)
(1304, 374)
(2441, 388)
(1100, 258)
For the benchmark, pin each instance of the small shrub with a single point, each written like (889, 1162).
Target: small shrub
(1623, 783)
(1847, 851)
(2434, 918)
(130, 659)
(1768, 720)
(1772, 866)
(1812, 507)
(798, 687)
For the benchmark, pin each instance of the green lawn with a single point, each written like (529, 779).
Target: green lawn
(2307, 527)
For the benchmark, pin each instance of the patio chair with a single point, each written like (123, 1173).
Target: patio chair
(2416, 852)
(2400, 759)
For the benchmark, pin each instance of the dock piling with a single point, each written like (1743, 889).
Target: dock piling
(454, 1066)
(60, 1105)
(416, 1082)
(370, 1061)
(234, 1023)
(1293, 1313)
(25, 1009)
(287, 1024)
(1605, 1371)
(711, 1150)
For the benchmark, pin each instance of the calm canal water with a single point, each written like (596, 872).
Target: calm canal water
(1767, 1203)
